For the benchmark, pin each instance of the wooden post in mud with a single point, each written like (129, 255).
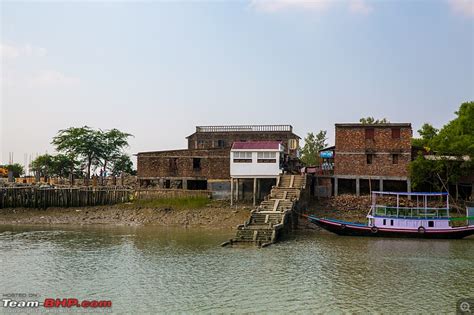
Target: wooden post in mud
(254, 191)
(231, 191)
(33, 197)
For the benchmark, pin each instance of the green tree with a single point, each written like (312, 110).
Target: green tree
(61, 165)
(423, 174)
(122, 164)
(112, 142)
(312, 145)
(16, 168)
(372, 120)
(457, 137)
(42, 165)
(427, 133)
(83, 143)
(65, 165)
(453, 151)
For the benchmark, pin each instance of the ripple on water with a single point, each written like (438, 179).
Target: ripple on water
(172, 270)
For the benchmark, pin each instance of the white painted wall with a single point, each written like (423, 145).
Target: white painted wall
(254, 168)
(410, 223)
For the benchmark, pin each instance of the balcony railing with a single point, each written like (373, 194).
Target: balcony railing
(239, 128)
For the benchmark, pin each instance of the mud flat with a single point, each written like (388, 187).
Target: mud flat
(215, 214)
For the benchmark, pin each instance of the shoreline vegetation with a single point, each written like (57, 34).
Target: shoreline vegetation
(178, 212)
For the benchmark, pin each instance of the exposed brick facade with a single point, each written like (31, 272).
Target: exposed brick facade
(209, 148)
(224, 139)
(213, 164)
(389, 147)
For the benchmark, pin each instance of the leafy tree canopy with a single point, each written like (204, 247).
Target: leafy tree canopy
(453, 150)
(427, 133)
(112, 143)
(457, 137)
(93, 148)
(61, 165)
(122, 164)
(372, 120)
(312, 145)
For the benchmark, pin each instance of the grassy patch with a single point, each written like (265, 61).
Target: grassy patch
(174, 203)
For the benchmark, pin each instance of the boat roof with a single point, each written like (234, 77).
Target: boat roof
(411, 194)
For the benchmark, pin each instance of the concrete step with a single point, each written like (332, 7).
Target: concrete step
(264, 235)
(260, 227)
(244, 235)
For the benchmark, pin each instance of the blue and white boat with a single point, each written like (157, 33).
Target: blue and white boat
(419, 220)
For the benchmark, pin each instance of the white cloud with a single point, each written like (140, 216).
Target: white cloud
(51, 79)
(279, 5)
(463, 7)
(360, 7)
(27, 50)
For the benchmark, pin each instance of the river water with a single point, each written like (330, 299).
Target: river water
(157, 270)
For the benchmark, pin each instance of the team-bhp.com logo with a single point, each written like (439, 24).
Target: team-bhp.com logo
(51, 303)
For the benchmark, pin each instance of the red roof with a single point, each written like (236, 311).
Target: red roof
(256, 145)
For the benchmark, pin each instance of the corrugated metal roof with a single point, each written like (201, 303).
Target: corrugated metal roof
(256, 145)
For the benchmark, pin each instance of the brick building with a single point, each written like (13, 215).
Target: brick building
(372, 157)
(212, 137)
(205, 164)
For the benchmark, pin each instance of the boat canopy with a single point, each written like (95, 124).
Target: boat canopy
(414, 205)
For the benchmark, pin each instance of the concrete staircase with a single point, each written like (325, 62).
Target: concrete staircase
(272, 216)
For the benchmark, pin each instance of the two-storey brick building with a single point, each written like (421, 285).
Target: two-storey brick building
(372, 157)
(205, 164)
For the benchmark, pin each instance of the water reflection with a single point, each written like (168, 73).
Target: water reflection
(178, 270)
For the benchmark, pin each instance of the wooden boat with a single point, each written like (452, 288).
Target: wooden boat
(396, 221)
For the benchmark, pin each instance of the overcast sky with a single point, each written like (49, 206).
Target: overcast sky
(157, 69)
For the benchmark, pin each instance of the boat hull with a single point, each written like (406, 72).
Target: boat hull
(348, 229)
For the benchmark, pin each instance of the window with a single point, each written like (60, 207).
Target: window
(196, 164)
(266, 157)
(242, 157)
(394, 158)
(391, 222)
(221, 143)
(200, 144)
(430, 223)
(369, 133)
(395, 133)
(384, 221)
(370, 158)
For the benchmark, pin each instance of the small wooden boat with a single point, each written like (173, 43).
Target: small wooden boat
(417, 222)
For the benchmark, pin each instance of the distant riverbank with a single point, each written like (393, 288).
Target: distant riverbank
(180, 212)
(214, 214)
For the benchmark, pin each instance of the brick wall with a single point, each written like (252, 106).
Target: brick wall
(352, 148)
(209, 140)
(214, 164)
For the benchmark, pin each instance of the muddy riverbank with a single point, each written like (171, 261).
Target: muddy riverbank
(214, 215)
